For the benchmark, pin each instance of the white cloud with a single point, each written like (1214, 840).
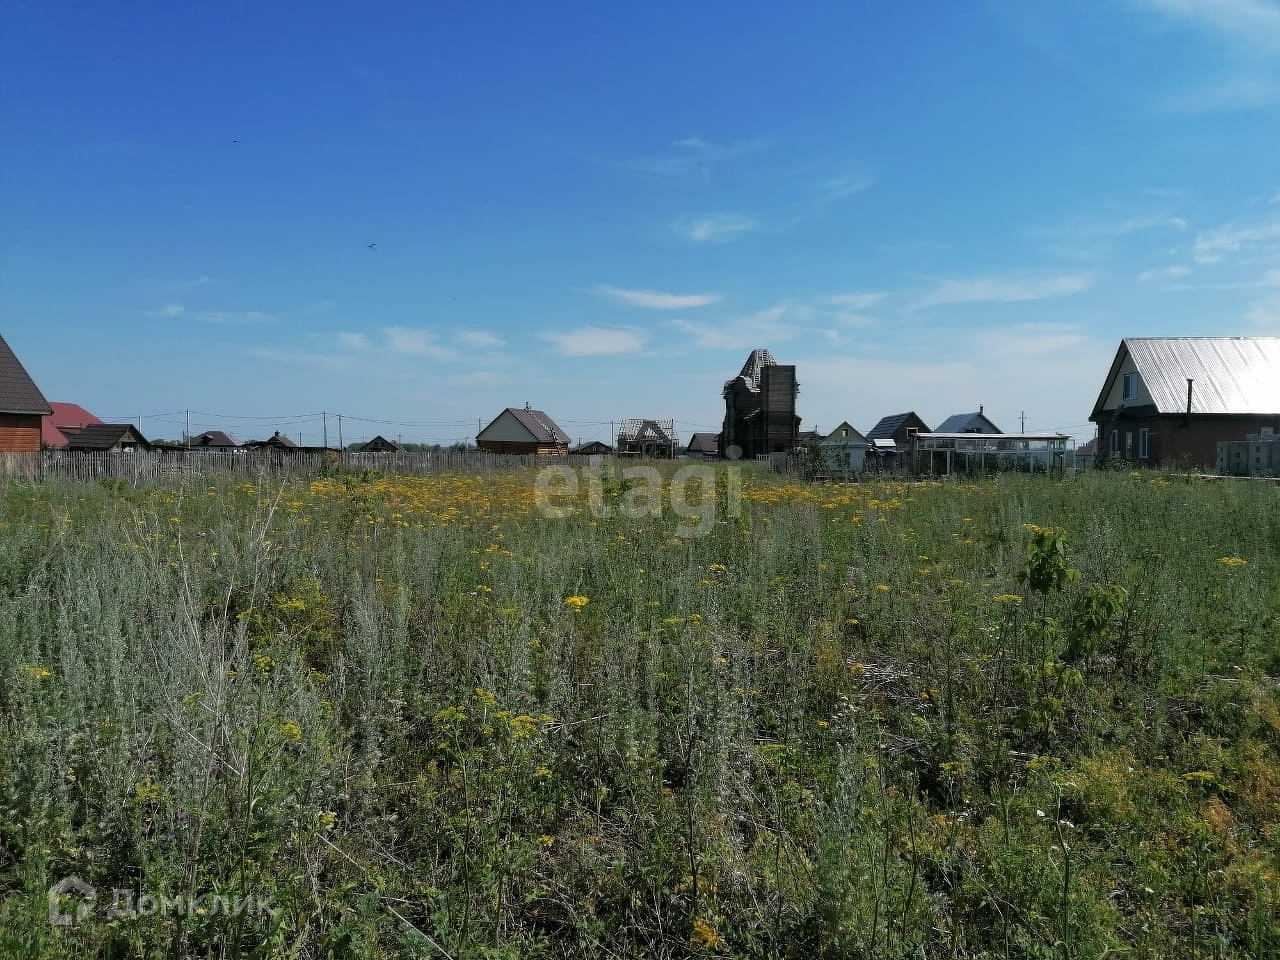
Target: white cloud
(839, 188)
(1233, 93)
(1214, 245)
(1125, 227)
(1265, 315)
(657, 300)
(776, 324)
(185, 285)
(597, 341)
(229, 318)
(418, 343)
(478, 338)
(353, 341)
(1004, 290)
(1254, 23)
(855, 301)
(1164, 273)
(696, 155)
(478, 378)
(169, 310)
(715, 227)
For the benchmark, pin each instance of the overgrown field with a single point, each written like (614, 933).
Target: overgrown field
(377, 717)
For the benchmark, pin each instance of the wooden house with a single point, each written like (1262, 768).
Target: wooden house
(592, 448)
(380, 444)
(277, 441)
(705, 445)
(213, 440)
(523, 430)
(22, 406)
(651, 439)
(1169, 401)
(760, 409)
(109, 438)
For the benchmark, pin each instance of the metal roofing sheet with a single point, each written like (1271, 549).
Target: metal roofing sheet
(18, 392)
(1230, 374)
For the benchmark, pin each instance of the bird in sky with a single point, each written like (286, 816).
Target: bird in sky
(373, 246)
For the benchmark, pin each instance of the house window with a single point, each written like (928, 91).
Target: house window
(844, 433)
(1128, 444)
(1114, 445)
(1144, 443)
(1130, 386)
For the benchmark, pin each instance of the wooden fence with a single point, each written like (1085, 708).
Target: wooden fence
(136, 468)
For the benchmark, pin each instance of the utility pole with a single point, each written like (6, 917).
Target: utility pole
(1023, 417)
(340, 446)
(325, 417)
(188, 433)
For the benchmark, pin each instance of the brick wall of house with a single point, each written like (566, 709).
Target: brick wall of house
(1171, 444)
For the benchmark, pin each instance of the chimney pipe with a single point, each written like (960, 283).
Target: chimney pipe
(1188, 417)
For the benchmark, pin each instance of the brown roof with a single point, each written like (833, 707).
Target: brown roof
(214, 438)
(103, 436)
(66, 419)
(542, 427)
(704, 443)
(18, 392)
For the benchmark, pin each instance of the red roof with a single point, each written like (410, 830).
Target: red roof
(72, 416)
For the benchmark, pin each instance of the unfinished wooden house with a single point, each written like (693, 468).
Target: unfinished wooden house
(651, 439)
(760, 409)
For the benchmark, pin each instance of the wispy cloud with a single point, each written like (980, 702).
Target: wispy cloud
(1004, 289)
(185, 285)
(1233, 93)
(168, 310)
(839, 188)
(1164, 273)
(417, 343)
(478, 338)
(656, 299)
(479, 378)
(694, 155)
(1212, 246)
(1252, 23)
(354, 341)
(597, 341)
(855, 301)
(848, 308)
(231, 318)
(1123, 227)
(776, 324)
(714, 227)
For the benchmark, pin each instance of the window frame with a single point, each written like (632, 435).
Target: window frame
(1129, 386)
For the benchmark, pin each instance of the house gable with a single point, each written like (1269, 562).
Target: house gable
(506, 428)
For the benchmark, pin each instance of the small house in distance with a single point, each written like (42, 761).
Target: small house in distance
(524, 430)
(109, 438)
(844, 448)
(966, 423)
(898, 427)
(380, 444)
(213, 440)
(652, 439)
(705, 445)
(1172, 400)
(66, 420)
(277, 441)
(592, 448)
(22, 406)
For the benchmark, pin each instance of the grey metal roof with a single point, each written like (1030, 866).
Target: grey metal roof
(18, 392)
(704, 443)
(976, 422)
(102, 436)
(541, 426)
(1238, 375)
(887, 426)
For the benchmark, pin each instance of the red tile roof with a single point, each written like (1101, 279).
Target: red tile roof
(69, 415)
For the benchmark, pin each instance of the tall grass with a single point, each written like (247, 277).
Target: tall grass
(392, 717)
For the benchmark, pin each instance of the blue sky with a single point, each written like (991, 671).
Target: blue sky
(600, 211)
